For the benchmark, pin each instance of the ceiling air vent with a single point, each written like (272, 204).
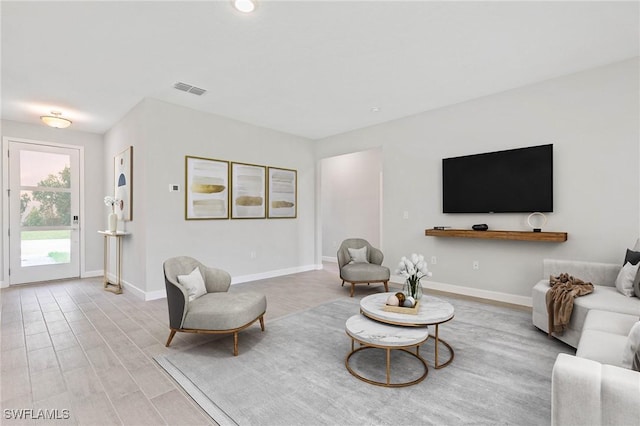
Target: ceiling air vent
(189, 88)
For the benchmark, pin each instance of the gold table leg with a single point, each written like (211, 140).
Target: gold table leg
(438, 340)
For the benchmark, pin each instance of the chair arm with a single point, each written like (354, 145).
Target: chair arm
(178, 302)
(586, 392)
(593, 272)
(375, 256)
(216, 280)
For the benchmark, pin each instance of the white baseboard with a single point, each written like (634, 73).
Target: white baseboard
(473, 292)
(91, 274)
(153, 295)
(140, 294)
(332, 259)
(4, 284)
(275, 273)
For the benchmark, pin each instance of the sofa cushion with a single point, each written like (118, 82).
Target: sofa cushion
(365, 272)
(224, 311)
(626, 278)
(603, 347)
(632, 257)
(194, 283)
(358, 255)
(632, 348)
(610, 322)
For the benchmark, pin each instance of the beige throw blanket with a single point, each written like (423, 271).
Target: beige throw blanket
(564, 288)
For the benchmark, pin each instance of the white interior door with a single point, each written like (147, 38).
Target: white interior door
(44, 195)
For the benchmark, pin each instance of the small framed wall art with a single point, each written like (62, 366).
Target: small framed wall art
(206, 188)
(248, 191)
(123, 184)
(282, 193)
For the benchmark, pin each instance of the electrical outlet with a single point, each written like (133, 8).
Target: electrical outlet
(405, 215)
(476, 265)
(434, 260)
(253, 255)
(174, 187)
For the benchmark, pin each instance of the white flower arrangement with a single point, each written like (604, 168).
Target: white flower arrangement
(111, 201)
(413, 269)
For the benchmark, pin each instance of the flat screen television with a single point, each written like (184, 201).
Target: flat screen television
(512, 181)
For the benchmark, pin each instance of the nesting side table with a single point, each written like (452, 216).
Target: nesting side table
(114, 287)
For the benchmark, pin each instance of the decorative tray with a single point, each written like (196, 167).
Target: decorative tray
(402, 310)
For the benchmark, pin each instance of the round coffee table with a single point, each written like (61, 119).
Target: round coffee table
(373, 334)
(432, 311)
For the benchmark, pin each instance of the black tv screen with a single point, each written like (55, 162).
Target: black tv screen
(512, 181)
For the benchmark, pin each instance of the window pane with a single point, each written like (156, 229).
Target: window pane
(44, 169)
(45, 208)
(45, 247)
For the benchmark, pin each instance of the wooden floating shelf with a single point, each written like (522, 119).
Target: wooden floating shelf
(555, 237)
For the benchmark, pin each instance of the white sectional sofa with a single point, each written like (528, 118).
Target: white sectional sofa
(593, 387)
(605, 297)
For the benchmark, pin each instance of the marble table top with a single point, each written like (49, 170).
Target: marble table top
(368, 331)
(431, 310)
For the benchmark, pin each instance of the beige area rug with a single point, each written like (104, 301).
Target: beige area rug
(294, 373)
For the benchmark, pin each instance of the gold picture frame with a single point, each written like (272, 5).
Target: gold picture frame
(206, 188)
(248, 191)
(282, 193)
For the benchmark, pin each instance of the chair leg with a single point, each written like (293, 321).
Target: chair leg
(235, 344)
(386, 286)
(173, 333)
(342, 283)
(262, 322)
(353, 287)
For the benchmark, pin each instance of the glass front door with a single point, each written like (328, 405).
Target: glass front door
(43, 212)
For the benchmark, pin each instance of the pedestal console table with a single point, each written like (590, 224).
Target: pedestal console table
(115, 287)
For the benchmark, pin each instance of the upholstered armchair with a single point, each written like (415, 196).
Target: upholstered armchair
(360, 262)
(208, 306)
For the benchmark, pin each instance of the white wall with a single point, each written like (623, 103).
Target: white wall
(94, 214)
(350, 199)
(162, 135)
(592, 120)
(131, 131)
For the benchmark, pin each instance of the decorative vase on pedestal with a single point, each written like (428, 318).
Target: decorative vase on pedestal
(413, 288)
(113, 222)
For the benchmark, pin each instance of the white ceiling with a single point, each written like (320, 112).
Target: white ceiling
(309, 68)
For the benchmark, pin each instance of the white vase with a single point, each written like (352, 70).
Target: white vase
(113, 222)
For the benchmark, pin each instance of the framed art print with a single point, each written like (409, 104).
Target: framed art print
(206, 188)
(282, 193)
(123, 184)
(248, 191)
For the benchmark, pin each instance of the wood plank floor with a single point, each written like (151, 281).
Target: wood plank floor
(70, 345)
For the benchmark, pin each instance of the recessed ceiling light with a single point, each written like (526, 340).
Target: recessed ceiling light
(245, 6)
(54, 120)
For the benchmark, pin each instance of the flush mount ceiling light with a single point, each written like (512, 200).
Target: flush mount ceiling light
(245, 6)
(54, 120)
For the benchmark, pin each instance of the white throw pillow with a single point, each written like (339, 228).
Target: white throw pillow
(633, 346)
(626, 276)
(358, 255)
(194, 284)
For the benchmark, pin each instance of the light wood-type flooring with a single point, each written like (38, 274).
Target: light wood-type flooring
(70, 345)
